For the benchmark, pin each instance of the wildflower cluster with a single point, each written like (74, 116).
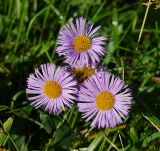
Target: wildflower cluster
(100, 96)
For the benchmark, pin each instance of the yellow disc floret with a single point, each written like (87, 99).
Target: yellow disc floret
(82, 43)
(83, 73)
(52, 89)
(105, 100)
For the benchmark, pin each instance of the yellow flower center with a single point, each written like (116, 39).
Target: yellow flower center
(82, 43)
(105, 100)
(83, 73)
(52, 89)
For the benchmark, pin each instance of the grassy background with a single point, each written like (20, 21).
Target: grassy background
(28, 34)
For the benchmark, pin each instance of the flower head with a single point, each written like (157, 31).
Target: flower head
(82, 73)
(52, 88)
(105, 98)
(80, 44)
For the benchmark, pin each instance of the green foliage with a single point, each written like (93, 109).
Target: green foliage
(4, 133)
(28, 34)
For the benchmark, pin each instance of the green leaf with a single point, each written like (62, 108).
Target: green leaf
(3, 138)
(20, 142)
(66, 143)
(133, 135)
(46, 122)
(63, 138)
(133, 148)
(7, 124)
(150, 138)
(3, 107)
(155, 120)
(101, 148)
(4, 133)
(60, 134)
(95, 142)
(25, 112)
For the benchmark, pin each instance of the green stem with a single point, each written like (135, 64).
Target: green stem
(44, 24)
(13, 143)
(20, 26)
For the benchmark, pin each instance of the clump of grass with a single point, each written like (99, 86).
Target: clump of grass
(29, 32)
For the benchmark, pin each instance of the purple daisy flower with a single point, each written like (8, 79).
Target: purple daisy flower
(51, 87)
(80, 44)
(105, 98)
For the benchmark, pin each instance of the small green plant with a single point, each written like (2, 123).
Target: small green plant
(28, 37)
